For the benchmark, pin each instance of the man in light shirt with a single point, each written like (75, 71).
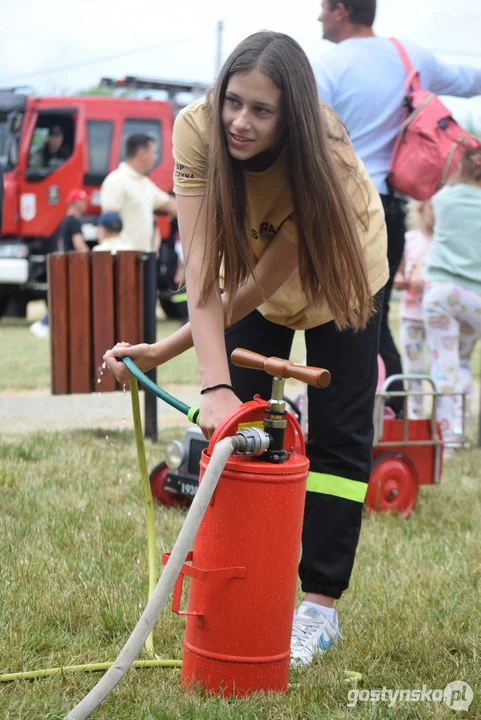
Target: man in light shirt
(362, 78)
(128, 191)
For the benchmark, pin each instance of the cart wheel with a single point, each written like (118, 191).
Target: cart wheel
(393, 486)
(158, 476)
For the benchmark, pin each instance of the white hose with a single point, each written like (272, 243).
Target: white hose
(149, 617)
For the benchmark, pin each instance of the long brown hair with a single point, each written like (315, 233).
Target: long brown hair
(331, 260)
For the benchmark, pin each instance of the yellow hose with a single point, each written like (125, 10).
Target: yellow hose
(149, 503)
(149, 512)
(95, 667)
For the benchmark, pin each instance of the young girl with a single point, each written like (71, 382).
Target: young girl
(410, 279)
(452, 300)
(275, 209)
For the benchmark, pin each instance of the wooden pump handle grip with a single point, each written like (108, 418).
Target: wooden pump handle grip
(317, 377)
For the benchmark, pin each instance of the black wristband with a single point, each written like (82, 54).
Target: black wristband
(216, 387)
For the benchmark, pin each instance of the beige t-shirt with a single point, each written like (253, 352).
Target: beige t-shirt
(134, 197)
(270, 207)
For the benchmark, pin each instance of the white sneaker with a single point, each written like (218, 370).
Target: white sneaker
(312, 633)
(39, 329)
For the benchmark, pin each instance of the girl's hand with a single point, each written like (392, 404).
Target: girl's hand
(214, 406)
(400, 282)
(140, 354)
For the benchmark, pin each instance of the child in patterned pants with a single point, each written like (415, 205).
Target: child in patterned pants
(452, 300)
(410, 279)
(453, 324)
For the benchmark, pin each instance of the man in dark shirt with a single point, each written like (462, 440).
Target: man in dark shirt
(69, 236)
(55, 152)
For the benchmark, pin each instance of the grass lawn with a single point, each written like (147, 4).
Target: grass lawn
(73, 571)
(73, 580)
(26, 359)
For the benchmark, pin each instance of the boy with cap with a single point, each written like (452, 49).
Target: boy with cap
(69, 235)
(109, 229)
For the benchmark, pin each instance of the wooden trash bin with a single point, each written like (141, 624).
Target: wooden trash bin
(95, 300)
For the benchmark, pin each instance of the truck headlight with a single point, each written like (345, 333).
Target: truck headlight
(13, 250)
(21, 251)
(174, 454)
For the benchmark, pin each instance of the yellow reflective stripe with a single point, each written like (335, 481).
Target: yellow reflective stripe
(338, 486)
(180, 297)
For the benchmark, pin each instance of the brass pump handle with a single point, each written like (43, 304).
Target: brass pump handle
(317, 377)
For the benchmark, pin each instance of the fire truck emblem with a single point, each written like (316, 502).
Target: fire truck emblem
(28, 206)
(53, 194)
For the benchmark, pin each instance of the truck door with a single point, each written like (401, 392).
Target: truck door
(12, 109)
(101, 122)
(46, 181)
(9, 135)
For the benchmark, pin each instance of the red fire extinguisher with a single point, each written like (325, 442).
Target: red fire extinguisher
(243, 566)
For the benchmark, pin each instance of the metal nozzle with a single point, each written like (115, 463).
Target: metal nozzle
(252, 441)
(277, 404)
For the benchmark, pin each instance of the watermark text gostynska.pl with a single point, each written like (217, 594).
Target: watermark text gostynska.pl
(458, 695)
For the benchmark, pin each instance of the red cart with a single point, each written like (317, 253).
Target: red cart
(406, 453)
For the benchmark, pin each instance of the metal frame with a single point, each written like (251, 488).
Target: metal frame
(435, 441)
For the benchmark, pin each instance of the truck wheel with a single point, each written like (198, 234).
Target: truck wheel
(158, 476)
(393, 485)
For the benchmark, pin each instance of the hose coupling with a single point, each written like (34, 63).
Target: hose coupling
(252, 441)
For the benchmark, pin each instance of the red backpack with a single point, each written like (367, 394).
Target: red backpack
(430, 143)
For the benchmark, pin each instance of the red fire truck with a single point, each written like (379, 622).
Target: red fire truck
(95, 129)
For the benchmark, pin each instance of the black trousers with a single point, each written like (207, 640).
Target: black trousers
(339, 443)
(395, 212)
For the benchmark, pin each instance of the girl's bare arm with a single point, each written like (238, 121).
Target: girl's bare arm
(274, 267)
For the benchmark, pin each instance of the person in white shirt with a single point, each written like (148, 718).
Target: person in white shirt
(109, 233)
(362, 78)
(129, 192)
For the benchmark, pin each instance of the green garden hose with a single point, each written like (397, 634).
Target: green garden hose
(191, 412)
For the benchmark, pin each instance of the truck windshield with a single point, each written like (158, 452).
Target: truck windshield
(10, 128)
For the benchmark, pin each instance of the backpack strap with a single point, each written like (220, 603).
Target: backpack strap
(412, 80)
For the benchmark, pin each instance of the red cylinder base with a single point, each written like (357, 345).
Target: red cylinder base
(244, 569)
(237, 679)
